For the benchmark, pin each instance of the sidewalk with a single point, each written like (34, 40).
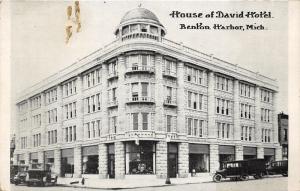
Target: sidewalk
(130, 182)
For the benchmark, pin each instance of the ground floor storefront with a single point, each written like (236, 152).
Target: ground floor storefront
(153, 158)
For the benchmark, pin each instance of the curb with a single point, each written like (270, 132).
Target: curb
(134, 187)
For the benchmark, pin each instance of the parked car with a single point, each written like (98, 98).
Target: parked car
(18, 174)
(241, 170)
(278, 167)
(40, 177)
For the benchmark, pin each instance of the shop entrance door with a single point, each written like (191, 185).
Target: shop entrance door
(111, 165)
(172, 165)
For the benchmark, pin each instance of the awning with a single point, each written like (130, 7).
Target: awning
(269, 151)
(198, 149)
(249, 151)
(111, 149)
(33, 156)
(21, 157)
(49, 154)
(172, 148)
(90, 150)
(226, 150)
(67, 153)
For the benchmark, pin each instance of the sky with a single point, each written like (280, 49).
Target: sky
(39, 49)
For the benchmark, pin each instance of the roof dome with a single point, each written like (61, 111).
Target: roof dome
(138, 14)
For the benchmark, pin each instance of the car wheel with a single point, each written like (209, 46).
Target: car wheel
(256, 176)
(285, 174)
(16, 183)
(244, 177)
(217, 178)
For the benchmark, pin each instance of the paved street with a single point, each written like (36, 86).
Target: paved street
(266, 184)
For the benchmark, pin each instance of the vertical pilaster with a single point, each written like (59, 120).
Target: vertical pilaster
(275, 117)
(211, 106)
(214, 158)
(278, 153)
(236, 111)
(103, 160)
(41, 158)
(121, 94)
(180, 99)
(104, 113)
(77, 161)
(79, 105)
(60, 113)
(257, 115)
(27, 158)
(43, 120)
(260, 152)
(57, 162)
(239, 155)
(159, 99)
(183, 160)
(120, 160)
(161, 159)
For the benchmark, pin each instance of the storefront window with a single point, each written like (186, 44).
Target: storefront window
(140, 158)
(90, 164)
(67, 165)
(199, 162)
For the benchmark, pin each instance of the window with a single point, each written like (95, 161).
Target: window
(114, 124)
(189, 126)
(135, 91)
(93, 103)
(145, 121)
(223, 83)
(247, 133)
(194, 75)
(52, 137)
(69, 88)
(223, 106)
(70, 110)
(70, 133)
(223, 130)
(169, 120)
(189, 99)
(145, 89)
(135, 121)
(144, 62)
(285, 134)
(195, 127)
(143, 28)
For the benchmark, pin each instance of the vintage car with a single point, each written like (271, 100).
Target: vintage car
(278, 167)
(40, 177)
(18, 174)
(241, 170)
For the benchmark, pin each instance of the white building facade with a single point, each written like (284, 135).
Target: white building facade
(146, 105)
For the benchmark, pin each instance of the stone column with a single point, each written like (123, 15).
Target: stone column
(236, 110)
(214, 158)
(41, 158)
(278, 153)
(122, 96)
(119, 160)
(159, 99)
(211, 106)
(257, 114)
(79, 105)
(181, 128)
(260, 153)
(183, 160)
(239, 152)
(60, 114)
(77, 161)
(275, 117)
(103, 160)
(104, 113)
(161, 159)
(43, 120)
(57, 162)
(27, 158)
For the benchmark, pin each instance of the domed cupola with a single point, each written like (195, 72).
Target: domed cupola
(140, 23)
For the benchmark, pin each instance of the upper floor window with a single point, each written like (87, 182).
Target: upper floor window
(140, 121)
(265, 115)
(70, 110)
(223, 83)
(194, 75)
(36, 140)
(70, 134)
(23, 107)
(113, 121)
(195, 100)
(36, 120)
(265, 135)
(195, 127)
(36, 102)
(144, 28)
(247, 133)
(224, 130)
(52, 137)
(23, 123)
(140, 62)
(51, 96)
(93, 103)
(92, 78)
(247, 111)
(285, 134)
(169, 67)
(223, 107)
(92, 129)
(140, 91)
(51, 116)
(23, 142)
(69, 88)
(246, 90)
(265, 95)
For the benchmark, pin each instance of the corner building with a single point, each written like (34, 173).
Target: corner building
(145, 105)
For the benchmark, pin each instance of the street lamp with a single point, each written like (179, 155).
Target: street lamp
(168, 181)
